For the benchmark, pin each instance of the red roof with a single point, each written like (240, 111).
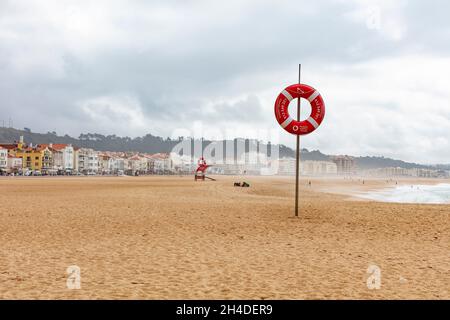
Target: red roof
(160, 156)
(59, 146)
(41, 147)
(8, 146)
(55, 146)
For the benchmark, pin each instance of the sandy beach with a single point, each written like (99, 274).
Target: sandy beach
(173, 238)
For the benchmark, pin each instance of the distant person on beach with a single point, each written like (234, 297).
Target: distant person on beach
(309, 183)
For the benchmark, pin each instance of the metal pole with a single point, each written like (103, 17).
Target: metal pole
(297, 169)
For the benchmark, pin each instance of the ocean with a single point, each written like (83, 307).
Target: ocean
(438, 193)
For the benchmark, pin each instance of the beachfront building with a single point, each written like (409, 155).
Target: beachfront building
(424, 173)
(136, 165)
(10, 147)
(62, 156)
(104, 163)
(161, 163)
(286, 166)
(86, 161)
(67, 155)
(253, 163)
(117, 164)
(111, 162)
(393, 172)
(318, 168)
(183, 164)
(228, 168)
(149, 163)
(92, 161)
(31, 157)
(14, 164)
(3, 159)
(46, 159)
(146, 163)
(216, 168)
(390, 172)
(58, 158)
(345, 164)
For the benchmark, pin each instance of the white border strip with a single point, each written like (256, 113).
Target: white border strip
(287, 95)
(287, 122)
(313, 122)
(313, 96)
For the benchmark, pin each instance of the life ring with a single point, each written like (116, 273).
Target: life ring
(317, 109)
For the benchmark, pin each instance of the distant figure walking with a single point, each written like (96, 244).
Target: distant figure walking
(309, 183)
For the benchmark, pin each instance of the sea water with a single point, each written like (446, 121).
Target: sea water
(438, 193)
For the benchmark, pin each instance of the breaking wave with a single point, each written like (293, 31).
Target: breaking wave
(436, 194)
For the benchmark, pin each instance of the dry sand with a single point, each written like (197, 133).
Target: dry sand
(173, 238)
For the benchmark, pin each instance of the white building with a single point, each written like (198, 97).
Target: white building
(227, 168)
(86, 161)
(183, 163)
(403, 172)
(137, 164)
(111, 162)
(161, 163)
(63, 155)
(14, 164)
(318, 168)
(68, 157)
(104, 163)
(253, 163)
(3, 158)
(116, 164)
(287, 166)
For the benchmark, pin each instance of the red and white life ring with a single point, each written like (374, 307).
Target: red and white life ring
(317, 109)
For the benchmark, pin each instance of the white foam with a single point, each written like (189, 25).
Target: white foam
(439, 193)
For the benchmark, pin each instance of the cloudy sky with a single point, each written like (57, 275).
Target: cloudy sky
(171, 67)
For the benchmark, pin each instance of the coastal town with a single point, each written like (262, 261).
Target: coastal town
(19, 158)
(27, 159)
